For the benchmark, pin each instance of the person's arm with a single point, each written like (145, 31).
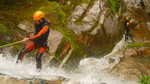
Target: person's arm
(43, 30)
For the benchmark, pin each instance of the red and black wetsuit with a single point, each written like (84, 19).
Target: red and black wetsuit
(41, 34)
(38, 41)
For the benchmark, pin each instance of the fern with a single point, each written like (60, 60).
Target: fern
(114, 5)
(145, 80)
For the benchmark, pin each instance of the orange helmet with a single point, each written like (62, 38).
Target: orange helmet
(38, 15)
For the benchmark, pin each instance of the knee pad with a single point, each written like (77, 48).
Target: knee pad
(30, 46)
(41, 50)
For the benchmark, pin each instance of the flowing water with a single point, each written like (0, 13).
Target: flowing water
(89, 70)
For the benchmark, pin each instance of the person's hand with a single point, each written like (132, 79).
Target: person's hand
(25, 39)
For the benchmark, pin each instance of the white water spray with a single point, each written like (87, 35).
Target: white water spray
(96, 71)
(27, 70)
(89, 71)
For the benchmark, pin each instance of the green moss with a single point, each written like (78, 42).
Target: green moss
(78, 2)
(114, 5)
(49, 7)
(4, 29)
(85, 1)
(135, 44)
(145, 80)
(131, 45)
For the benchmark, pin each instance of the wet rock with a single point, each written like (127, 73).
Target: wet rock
(134, 64)
(8, 80)
(143, 4)
(77, 12)
(147, 6)
(26, 26)
(148, 25)
(134, 61)
(71, 82)
(95, 28)
(103, 83)
(131, 68)
(141, 33)
(93, 12)
(143, 52)
(130, 52)
(86, 15)
(54, 40)
(133, 3)
(111, 60)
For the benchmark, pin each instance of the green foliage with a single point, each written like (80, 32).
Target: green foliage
(114, 5)
(85, 1)
(4, 29)
(78, 2)
(68, 35)
(49, 7)
(145, 80)
(2, 42)
(132, 45)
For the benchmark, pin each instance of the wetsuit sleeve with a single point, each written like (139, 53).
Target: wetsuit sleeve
(41, 32)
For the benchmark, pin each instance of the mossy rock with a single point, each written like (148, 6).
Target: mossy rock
(4, 29)
(5, 34)
(138, 45)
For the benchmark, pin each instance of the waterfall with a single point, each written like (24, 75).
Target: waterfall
(96, 70)
(89, 70)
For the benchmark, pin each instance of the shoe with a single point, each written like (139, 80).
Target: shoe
(18, 61)
(38, 70)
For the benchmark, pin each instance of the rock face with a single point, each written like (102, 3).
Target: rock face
(96, 27)
(134, 62)
(7, 80)
(138, 4)
(54, 40)
(100, 30)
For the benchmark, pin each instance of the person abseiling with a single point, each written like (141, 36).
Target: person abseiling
(38, 41)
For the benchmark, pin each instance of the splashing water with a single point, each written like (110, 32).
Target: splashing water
(89, 71)
(96, 71)
(27, 70)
